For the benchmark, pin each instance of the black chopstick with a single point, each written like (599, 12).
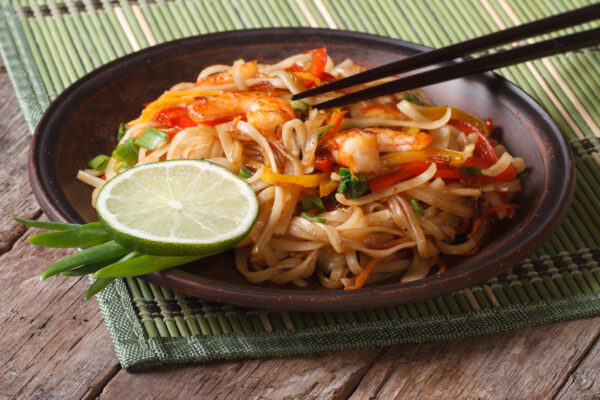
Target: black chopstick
(556, 22)
(486, 63)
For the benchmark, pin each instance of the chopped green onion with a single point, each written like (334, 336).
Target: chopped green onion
(313, 218)
(417, 207)
(150, 138)
(350, 186)
(411, 97)
(311, 202)
(123, 127)
(470, 170)
(99, 162)
(126, 153)
(325, 129)
(299, 105)
(245, 173)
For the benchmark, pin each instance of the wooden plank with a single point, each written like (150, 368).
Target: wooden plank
(55, 344)
(584, 382)
(527, 364)
(15, 193)
(328, 376)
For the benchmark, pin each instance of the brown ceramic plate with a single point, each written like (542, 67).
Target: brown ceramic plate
(82, 121)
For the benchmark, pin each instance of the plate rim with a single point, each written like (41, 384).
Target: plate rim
(329, 300)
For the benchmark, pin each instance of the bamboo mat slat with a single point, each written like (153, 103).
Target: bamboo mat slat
(48, 44)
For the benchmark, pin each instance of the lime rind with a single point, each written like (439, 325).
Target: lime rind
(174, 226)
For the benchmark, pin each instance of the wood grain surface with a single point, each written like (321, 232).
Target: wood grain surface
(54, 345)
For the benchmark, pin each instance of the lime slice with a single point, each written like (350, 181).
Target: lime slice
(177, 208)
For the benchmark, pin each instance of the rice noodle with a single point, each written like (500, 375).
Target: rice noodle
(300, 230)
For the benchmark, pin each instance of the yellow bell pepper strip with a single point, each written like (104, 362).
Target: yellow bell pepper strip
(312, 180)
(438, 112)
(308, 79)
(402, 157)
(327, 187)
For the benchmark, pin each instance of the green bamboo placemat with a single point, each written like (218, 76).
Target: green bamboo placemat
(46, 45)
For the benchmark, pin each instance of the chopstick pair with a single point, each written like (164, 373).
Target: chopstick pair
(471, 66)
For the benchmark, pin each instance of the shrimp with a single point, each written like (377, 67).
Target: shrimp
(245, 71)
(358, 149)
(266, 113)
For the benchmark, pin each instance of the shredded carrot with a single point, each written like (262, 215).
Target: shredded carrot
(236, 121)
(360, 280)
(390, 243)
(509, 208)
(435, 260)
(335, 120)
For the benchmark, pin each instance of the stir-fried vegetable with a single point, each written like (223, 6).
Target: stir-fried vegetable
(411, 97)
(245, 173)
(99, 162)
(457, 114)
(121, 131)
(352, 186)
(404, 172)
(417, 207)
(335, 122)
(312, 202)
(126, 154)
(299, 105)
(440, 156)
(150, 138)
(308, 181)
(312, 217)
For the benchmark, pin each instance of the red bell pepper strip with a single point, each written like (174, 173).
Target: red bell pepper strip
(489, 125)
(324, 162)
(476, 162)
(175, 117)
(294, 68)
(407, 171)
(451, 173)
(508, 174)
(483, 146)
(448, 172)
(318, 61)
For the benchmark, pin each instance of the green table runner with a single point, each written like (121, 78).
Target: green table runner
(46, 45)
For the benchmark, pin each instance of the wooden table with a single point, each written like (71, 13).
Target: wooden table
(53, 344)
